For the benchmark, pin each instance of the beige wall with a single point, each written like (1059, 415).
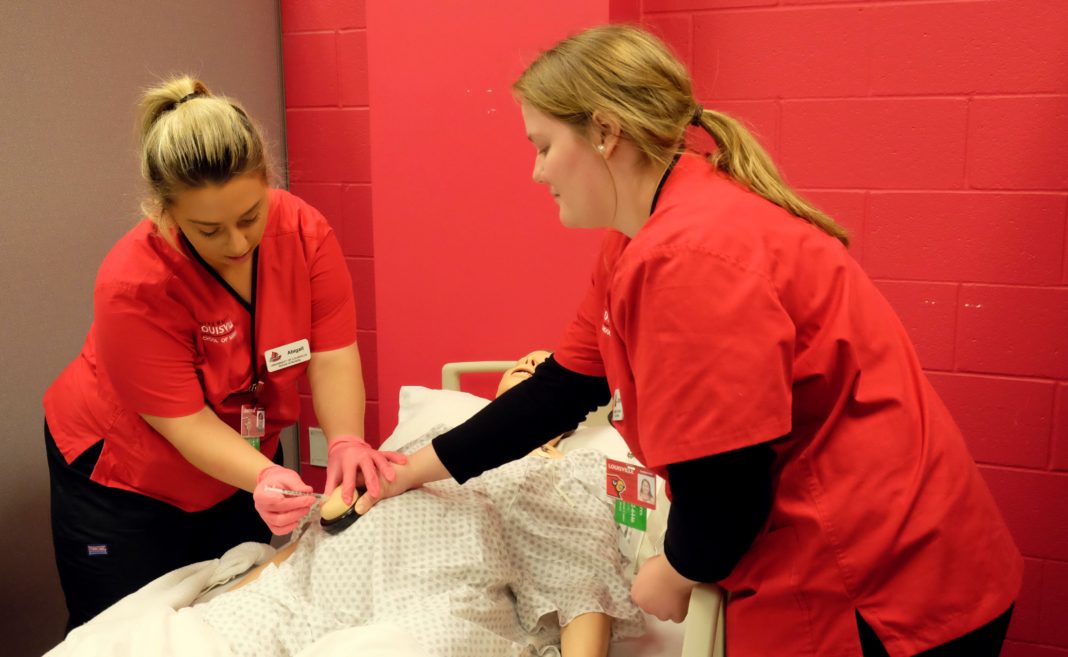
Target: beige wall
(69, 77)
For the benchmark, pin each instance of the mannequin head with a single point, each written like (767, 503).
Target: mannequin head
(523, 370)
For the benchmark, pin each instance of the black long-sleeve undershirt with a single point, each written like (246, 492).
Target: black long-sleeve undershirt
(550, 402)
(719, 502)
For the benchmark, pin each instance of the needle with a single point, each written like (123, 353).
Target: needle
(292, 493)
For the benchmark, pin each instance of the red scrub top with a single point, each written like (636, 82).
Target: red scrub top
(168, 338)
(727, 322)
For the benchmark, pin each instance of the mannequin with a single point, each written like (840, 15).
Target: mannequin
(586, 635)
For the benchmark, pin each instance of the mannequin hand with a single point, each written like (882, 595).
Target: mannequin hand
(280, 512)
(661, 591)
(401, 483)
(349, 456)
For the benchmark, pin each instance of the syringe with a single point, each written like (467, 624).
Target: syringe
(292, 493)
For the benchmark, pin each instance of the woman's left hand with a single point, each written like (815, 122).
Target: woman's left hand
(349, 456)
(661, 591)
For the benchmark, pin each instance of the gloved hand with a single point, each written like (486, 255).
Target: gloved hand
(346, 455)
(281, 512)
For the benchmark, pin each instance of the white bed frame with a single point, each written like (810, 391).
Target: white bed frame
(703, 634)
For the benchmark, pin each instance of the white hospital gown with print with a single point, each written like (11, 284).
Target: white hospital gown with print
(490, 568)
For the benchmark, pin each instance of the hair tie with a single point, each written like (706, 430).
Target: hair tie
(698, 113)
(186, 97)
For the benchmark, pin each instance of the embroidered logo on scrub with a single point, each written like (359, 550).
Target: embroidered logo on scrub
(220, 331)
(97, 550)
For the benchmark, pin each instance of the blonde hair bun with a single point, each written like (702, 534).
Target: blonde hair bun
(191, 138)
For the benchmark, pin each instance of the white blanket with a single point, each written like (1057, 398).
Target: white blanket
(150, 621)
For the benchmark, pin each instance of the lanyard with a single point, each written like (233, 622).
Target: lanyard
(250, 306)
(663, 179)
(254, 359)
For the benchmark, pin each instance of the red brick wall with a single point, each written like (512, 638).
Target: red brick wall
(937, 132)
(324, 44)
(934, 130)
(471, 262)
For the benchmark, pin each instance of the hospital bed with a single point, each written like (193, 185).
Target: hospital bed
(156, 620)
(702, 634)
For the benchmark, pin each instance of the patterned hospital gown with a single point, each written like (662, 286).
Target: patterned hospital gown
(491, 568)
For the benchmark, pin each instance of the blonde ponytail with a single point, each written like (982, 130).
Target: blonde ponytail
(740, 156)
(629, 74)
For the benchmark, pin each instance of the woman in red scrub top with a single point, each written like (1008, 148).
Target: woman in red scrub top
(162, 435)
(814, 472)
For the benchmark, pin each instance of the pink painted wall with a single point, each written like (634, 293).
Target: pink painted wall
(936, 131)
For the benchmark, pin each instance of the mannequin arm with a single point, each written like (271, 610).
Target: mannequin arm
(279, 556)
(586, 636)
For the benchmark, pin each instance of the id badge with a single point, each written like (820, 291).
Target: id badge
(634, 491)
(253, 424)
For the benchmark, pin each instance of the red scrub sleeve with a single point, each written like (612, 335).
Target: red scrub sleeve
(711, 349)
(333, 309)
(144, 353)
(579, 351)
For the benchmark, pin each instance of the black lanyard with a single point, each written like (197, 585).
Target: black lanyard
(250, 306)
(663, 179)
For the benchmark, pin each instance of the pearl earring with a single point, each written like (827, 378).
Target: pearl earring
(600, 148)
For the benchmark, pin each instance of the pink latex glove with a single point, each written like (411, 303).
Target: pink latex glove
(281, 512)
(349, 453)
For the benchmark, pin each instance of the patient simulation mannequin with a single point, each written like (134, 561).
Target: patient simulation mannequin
(545, 565)
(590, 633)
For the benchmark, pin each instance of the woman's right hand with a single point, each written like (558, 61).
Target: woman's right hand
(281, 512)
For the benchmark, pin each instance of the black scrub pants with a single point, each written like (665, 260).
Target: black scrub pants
(109, 542)
(983, 642)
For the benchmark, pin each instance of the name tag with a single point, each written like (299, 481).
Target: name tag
(287, 355)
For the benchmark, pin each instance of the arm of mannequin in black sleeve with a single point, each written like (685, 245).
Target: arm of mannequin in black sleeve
(552, 401)
(719, 504)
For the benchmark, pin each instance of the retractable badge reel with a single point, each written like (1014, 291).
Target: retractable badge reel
(253, 420)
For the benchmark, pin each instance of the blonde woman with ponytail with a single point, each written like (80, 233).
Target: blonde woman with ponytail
(814, 472)
(162, 435)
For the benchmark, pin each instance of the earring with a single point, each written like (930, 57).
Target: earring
(600, 148)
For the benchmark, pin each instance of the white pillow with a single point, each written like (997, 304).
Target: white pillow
(421, 409)
(604, 439)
